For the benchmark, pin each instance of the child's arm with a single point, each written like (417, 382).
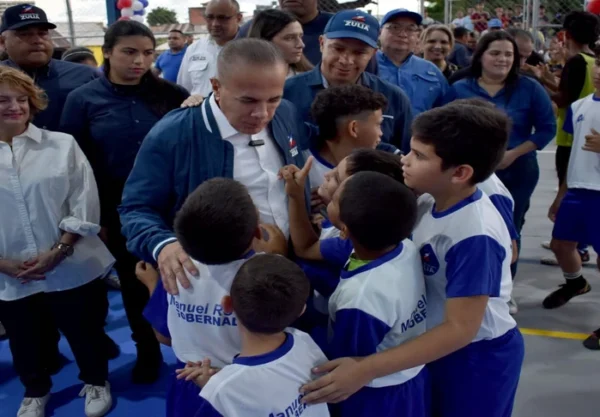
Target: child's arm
(304, 238)
(147, 275)
(471, 280)
(156, 310)
(505, 207)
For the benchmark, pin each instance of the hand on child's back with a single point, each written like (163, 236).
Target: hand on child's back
(295, 178)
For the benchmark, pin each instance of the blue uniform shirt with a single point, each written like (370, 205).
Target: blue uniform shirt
(303, 88)
(421, 80)
(57, 79)
(527, 104)
(312, 31)
(168, 63)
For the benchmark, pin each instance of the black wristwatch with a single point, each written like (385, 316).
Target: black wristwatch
(65, 249)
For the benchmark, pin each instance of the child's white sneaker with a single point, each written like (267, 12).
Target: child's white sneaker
(33, 407)
(97, 399)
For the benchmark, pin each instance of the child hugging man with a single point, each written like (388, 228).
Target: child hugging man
(216, 226)
(472, 345)
(267, 295)
(380, 300)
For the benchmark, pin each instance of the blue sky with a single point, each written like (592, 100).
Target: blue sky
(95, 10)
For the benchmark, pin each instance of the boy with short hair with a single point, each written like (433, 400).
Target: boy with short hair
(380, 300)
(216, 226)
(575, 209)
(472, 345)
(267, 295)
(347, 117)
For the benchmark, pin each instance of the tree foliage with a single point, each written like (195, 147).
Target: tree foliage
(161, 16)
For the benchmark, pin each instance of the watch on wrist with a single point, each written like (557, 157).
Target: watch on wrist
(65, 249)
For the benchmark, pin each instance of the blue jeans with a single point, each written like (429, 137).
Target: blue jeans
(521, 178)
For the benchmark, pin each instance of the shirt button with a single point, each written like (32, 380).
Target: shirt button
(137, 121)
(133, 101)
(139, 142)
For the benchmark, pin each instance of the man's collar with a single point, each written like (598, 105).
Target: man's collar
(45, 70)
(316, 77)
(227, 131)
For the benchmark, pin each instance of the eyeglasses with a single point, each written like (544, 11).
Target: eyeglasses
(398, 29)
(219, 18)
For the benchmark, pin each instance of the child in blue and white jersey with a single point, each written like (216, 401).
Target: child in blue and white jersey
(216, 226)
(268, 294)
(380, 300)
(473, 348)
(576, 206)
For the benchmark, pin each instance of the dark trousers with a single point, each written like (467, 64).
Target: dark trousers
(135, 294)
(78, 313)
(521, 179)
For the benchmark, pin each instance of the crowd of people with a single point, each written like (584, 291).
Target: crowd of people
(319, 213)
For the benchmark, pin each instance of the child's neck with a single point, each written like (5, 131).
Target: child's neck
(446, 200)
(255, 344)
(363, 254)
(335, 150)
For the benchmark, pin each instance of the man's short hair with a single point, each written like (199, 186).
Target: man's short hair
(377, 210)
(334, 104)
(465, 134)
(583, 27)
(374, 160)
(269, 293)
(520, 34)
(177, 31)
(460, 32)
(241, 53)
(217, 222)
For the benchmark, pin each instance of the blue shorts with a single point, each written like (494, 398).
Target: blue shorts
(183, 397)
(156, 310)
(409, 399)
(577, 218)
(479, 380)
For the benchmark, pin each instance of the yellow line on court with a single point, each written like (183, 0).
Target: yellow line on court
(555, 334)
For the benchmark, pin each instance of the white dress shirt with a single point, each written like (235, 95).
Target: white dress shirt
(257, 167)
(47, 185)
(198, 66)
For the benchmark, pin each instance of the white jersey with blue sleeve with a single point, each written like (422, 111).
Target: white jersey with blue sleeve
(267, 385)
(466, 252)
(319, 168)
(198, 325)
(502, 200)
(379, 306)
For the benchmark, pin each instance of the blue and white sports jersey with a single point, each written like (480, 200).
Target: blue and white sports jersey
(198, 325)
(379, 306)
(328, 230)
(502, 200)
(319, 168)
(466, 252)
(266, 385)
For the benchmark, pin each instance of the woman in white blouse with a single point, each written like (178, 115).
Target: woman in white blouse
(50, 253)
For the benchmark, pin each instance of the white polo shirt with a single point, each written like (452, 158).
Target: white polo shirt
(198, 66)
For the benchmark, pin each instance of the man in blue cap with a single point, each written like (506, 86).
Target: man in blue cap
(348, 43)
(25, 36)
(421, 80)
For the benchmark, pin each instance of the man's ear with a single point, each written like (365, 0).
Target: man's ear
(227, 304)
(216, 86)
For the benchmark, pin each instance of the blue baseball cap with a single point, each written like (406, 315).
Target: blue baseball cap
(353, 24)
(392, 14)
(495, 23)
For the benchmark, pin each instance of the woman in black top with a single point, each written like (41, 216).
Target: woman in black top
(110, 118)
(437, 42)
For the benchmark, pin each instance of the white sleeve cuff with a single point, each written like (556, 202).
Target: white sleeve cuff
(161, 245)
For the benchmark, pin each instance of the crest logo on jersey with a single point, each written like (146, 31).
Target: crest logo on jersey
(430, 262)
(357, 22)
(580, 118)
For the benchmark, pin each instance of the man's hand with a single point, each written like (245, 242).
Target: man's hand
(199, 372)
(537, 71)
(509, 158)
(295, 178)
(192, 101)
(38, 266)
(592, 142)
(172, 260)
(345, 377)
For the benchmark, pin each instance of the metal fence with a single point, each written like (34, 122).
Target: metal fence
(540, 16)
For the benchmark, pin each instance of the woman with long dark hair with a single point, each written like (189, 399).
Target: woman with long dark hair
(109, 118)
(285, 31)
(495, 77)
